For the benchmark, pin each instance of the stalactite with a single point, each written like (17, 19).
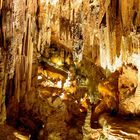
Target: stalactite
(103, 60)
(118, 28)
(117, 31)
(2, 87)
(66, 21)
(111, 19)
(17, 80)
(1, 2)
(48, 19)
(7, 53)
(124, 50)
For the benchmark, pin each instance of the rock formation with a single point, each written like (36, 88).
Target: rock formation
(55, 55)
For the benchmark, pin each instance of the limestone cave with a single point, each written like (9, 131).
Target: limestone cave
(69, 69)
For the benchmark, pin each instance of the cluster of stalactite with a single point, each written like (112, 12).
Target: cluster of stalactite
(17, 32)
(105, 31)
(119, 32)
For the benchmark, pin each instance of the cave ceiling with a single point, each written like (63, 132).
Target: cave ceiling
(89, 28)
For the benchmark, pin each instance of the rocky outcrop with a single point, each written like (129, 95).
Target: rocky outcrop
(127, 85)
(119, 92)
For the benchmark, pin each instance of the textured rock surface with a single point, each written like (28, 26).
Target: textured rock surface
(120, 92)
(105, 32)
(116, 128)
(60, 119)
(128, 85)
(108, 90)
(9, 133)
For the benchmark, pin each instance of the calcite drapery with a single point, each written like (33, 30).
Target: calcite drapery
(118, 32)
(106, 20)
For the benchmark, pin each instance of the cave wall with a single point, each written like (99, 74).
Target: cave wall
(104, 31)
(18, 29)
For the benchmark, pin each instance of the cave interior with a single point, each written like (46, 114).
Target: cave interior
(69, 69)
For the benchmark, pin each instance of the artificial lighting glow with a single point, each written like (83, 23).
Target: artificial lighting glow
(67, 83)
(77, 3)
(44, 72)
(62, 96)
(47, 83)
(57, 60)
(20, 137)
(59, 63)
(53, 2)
(134, 59)
(76, 102)
(59, 84)
(54, 94)
(39, 77)
(117, 64)
(52, 84)
(84, 102)
(105, 63)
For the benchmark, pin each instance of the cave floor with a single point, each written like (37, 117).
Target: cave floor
(120, 128)
(113, 128)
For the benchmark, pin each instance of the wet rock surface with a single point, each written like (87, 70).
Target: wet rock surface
(120, 127)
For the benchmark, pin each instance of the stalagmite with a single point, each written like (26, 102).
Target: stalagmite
(87, 128)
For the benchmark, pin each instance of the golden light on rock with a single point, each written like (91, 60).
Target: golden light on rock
(62, 96)
(59, 84)
(57, 61)
(39, 77)
(53, 2)
(67, 83)
(21, 137)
